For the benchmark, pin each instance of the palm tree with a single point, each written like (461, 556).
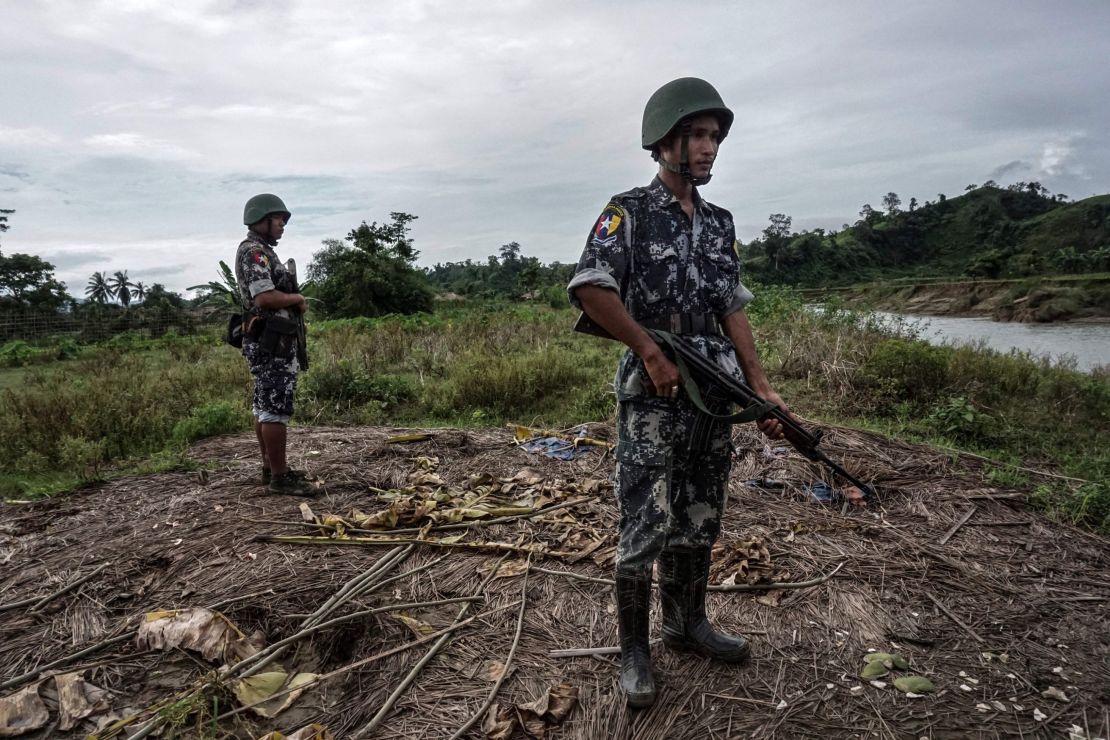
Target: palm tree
(140, 291)
(98, 289)
(121, 287)
(222, 294)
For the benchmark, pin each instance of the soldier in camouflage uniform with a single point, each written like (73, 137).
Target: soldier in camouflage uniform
(662, 257)
(271, 308)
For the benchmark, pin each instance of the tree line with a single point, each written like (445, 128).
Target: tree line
(987, 232)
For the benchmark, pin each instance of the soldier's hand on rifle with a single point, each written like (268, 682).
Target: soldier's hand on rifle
(663, 375)
(302, 306)
(770, 426)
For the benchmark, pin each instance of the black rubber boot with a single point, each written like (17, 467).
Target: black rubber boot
(633, 591)
(293, 483)
(683, 575)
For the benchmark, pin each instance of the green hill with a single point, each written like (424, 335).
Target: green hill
(989, 232)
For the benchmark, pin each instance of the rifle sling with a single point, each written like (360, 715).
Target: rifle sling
(754, 412)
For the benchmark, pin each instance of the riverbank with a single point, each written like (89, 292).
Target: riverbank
(482, 365)
(1041, 300)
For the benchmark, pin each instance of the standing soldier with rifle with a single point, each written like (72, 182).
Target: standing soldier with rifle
(272, 338)
(661, 257)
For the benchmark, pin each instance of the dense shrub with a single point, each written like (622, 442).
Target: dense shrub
(15, 353)
(209, 420)
(905, 370)
(345, 384)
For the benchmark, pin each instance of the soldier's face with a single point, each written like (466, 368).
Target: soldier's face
(277, 225)
(705, 134)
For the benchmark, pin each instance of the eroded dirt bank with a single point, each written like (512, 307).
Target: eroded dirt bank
(1001, 300)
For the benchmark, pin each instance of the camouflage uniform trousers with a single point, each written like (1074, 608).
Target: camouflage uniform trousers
(275, 383)
(672, 474)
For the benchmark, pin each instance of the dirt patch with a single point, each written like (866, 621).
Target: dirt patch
(1009, 606)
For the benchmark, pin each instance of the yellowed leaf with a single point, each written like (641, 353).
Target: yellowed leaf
(261, 686)
(407, 438)
(425, 463)
(419, 627)
(77, 699)
(426, 479)
(499, 723)
(770, 598)
(491, 670)
(22, 712)
(448, 516)
(478, 480)
(207, 632)
(507, 569)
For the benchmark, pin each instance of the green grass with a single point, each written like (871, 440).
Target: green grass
(128, 407)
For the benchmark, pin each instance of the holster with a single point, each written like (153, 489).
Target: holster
(278, 336)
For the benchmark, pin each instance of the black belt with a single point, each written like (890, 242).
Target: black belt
(684, 323)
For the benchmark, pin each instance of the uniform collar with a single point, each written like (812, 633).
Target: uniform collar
(254, 236)
(662, 196)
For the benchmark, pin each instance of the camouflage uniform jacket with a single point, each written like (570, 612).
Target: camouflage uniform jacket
(662, 262)
(257, 270)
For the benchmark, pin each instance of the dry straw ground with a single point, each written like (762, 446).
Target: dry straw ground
(994, 611)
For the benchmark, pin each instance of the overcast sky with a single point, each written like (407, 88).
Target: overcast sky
(132, 131)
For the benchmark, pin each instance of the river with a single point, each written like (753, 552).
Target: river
(1088, 343)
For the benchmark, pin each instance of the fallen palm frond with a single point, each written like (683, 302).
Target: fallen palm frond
(376, 542)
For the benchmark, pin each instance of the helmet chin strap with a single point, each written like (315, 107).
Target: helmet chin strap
(683, 167)
(268, 235)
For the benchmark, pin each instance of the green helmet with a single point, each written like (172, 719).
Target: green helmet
(679, 99)
(261, 206)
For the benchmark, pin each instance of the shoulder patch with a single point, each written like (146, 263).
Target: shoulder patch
(605, 231)
(261, 259)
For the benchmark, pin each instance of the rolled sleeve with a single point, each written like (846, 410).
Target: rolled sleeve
(257, 273)
(740, 298)
(590, 276)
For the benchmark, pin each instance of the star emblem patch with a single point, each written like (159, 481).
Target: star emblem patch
(605, 232)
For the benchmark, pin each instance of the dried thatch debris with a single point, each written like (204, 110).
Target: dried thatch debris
(877, 579)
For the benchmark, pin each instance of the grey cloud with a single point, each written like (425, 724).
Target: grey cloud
(1009, 168)
(68, 261)
(517, 121)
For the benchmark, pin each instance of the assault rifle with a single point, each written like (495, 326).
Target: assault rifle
(302, 332)
(696, 367)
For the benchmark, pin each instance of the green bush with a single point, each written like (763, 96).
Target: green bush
(82, 456)
(510, 385)
(957, 418)
(15, 353)
(772, 303)
(556, 296)
(905, 370)
(67, 350)
(348, 384)
(208, 420)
